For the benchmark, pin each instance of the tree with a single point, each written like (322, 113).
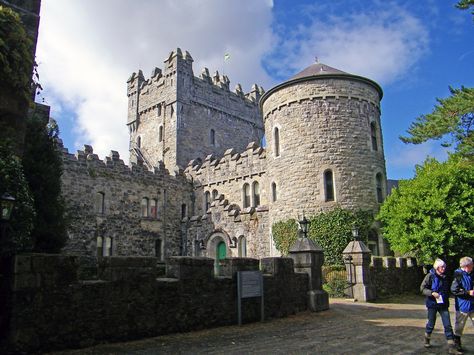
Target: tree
(465, 5)
(453, 117)
(432, 215)
(16, 60)
(13, 182)
(43, 169)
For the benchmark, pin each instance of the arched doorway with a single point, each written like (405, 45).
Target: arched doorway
(217, 248)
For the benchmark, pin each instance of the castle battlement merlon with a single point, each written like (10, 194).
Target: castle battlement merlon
(232, 166)
(87, 159)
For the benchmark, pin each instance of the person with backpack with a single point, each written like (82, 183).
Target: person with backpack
(435, 288)
(462, 288)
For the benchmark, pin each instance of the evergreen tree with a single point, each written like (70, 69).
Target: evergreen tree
(43, 169)
(453, 117)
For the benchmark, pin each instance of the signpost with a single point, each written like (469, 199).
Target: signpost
(249, 284)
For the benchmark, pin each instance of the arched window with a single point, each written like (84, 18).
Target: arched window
(328, 185)
(373, 136)
(378, 182)
(183, 210)
(215, 194)
(212, 137)
(274, 192)
(160, 134)
(246, 195)
(256, 194)
(159, 249)
(158, 110)
(207, 201)
(139, 142)
(99, 202)
(276, 141)
(144, 207)
(108, 247)
(153, 208)
(100, 246)
(242, 246)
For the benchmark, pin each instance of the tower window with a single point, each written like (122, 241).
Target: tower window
(158, 110)
(378, 182)
(144, 207)
(153, 208)
(139, 141)
(183, 210)
(207, 201)
(373, 136)
(246, 195)
(328, 185)
(274, 192)
(215, 194)
(100, 202)
(160, 134)
(256, 194)
(212, 137)
(276, 141)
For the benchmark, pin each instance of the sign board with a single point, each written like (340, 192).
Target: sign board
(249, 284)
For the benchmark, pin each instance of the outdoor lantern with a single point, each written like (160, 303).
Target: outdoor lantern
(304, 226)
(355, 233)
(7, 203)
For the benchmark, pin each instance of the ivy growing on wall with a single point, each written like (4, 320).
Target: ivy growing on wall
(332, 230)
(16, 60)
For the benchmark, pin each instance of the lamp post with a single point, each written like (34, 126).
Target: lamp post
(304, 226)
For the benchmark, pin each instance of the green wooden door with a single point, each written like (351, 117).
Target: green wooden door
(221, 251)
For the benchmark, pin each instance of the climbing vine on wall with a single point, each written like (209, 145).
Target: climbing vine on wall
(332, 230)
(16, 61)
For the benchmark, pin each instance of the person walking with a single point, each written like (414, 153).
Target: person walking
(435, 288)
(462, 288)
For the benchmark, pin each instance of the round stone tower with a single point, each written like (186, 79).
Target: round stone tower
(324, 143)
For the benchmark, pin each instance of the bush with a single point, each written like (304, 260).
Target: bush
(331, 230)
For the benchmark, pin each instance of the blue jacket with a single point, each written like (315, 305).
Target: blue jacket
(435, 283)
(462, 284)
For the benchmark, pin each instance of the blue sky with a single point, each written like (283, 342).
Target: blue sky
(87, 49)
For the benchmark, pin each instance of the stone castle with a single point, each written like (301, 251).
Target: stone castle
(200, 183)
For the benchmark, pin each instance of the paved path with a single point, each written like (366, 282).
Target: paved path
(346, 328)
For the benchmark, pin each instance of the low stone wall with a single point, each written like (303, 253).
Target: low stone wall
(395, 275)
(123, 299)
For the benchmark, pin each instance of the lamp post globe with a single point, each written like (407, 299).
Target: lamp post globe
(7, 203)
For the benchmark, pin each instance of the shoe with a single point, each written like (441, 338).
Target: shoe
(427, 340)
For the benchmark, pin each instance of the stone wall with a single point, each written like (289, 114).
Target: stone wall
(85, 177)
(324, 124)
(186, 108)
(393, 276)
(228, 174)
(52, 308)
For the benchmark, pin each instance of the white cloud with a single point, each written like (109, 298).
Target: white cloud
(383, 44)
(404, 157)
(87, 49)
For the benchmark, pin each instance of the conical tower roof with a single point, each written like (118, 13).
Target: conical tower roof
(317, 69)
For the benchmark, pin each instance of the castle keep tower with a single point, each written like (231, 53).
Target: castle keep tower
(174, 117)
(324, 143)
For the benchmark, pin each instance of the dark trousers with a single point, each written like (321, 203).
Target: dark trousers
(444, 313)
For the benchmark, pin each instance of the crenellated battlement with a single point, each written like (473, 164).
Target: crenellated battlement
(178, 64)
(112, 163)
(232, 166)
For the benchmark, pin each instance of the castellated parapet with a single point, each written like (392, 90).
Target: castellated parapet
(105, 200)
(175, 116)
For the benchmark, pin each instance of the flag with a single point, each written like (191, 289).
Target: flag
(226, 56)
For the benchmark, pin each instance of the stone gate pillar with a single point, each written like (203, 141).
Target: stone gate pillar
(357, 259)
(308, 257)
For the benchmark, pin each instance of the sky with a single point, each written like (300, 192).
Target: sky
(87, 49)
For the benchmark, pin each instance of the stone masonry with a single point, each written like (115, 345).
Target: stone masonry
(218, 192)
